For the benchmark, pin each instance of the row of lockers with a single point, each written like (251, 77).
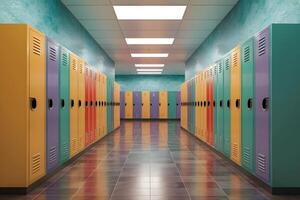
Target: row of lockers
(53, 105)
(246, 105)
(150, 105)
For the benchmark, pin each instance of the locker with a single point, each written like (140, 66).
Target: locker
(204, 109)
(108, 105)
(172, 105)
(262, 62)
(128, 105)
(247, 105)
(87, 106)
(235, 96)
(215, 104)
(202, 122)
(25, 162)
(93, 105)
(189, 102)
(209, 106)
(197, 106)
(178, 103)
(97, 104)
(154, 105)
(117, 105)
(52, 128)
(112, 105)
(64, 109)
(81, 106)
(105, 104)
(227, 106)
(183, 113)
(101, 105)
(73, 108)
(146, 105)
(163, 105)
(137, 105)
(122, 105)
(220, 106)
(193, 106)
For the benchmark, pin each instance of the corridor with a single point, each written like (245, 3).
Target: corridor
(149, 160)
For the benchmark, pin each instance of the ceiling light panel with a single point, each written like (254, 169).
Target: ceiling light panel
(149, 41)
(149, 65)
(149, 70)
(149, 55)
(148, 73)
(149, 12)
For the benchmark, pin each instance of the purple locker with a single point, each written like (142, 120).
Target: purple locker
(262, 54)
(178, 105)
(154, 99)
(137, 105)
(122, 101)
(52, 105)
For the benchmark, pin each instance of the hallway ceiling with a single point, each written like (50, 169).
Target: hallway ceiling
(200, 19)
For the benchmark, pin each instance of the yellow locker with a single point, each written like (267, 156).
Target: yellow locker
(128, 105)
(104, 115)
(117, 105)
(74, 108)
(235, 117)
(81, 104)
(145, 105)
(163, 105)
(22, 102)
(98, 107)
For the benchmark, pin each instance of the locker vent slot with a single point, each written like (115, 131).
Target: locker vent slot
(246, 155)
(261, 163)
(64, 59)
(36, 163)
(235, 150)
(52, 154)
(262, 46)
(37, 46)
(80, 68)
(65, 149)
(215, 70)
(220, 68)
(235, 60)
(74, 64)
(52, 54)
(227, 64)
(247, 54)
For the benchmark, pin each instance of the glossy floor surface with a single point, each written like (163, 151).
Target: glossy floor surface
(149, 160)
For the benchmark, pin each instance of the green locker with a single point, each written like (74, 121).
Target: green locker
(64, 108)
(227, 102)
(248, 136)
(109, 110)
(220, 106)
(215, 104)
(193, 105)
(172, 105)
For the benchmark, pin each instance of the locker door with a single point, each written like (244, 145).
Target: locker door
(122, 102)
(215, 104)
(227, 105)
(154, 105)
(105, 105)
(112, 105)
(189, 112)
(163, 105)
(235, 93)
(128, 105)
(145, 104)
(205, 131)
(182, 107)
(201, 117)
(93, 106)
(178, 105)
(81, 104)
(193, 106)
(100, 104)
(98, 129)
(137, 105)
(109, 110)
(117, 105)
(172, 105)
(262, 62)
(87, 105)
(64, 111)
(52, 106)
(197, 106)
(247, 105)
(74, 108)
(37, 87)
(208, 113)
(221, 105)
(210, 107)
(185, 114)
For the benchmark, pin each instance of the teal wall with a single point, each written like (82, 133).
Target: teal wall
(55, 20)
(150, 82)
(246, 19)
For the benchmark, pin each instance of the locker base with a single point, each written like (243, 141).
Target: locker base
(272, 190)
(26, 190)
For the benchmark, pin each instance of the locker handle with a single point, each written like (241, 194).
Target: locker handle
(79, 103)
(214, 103)
(228, 103)
(33, 103)
(125, 104)
(168, 104)
(265, 104)
(159, 104)
(208, 104)
(96, 103)
(204, 104)
(72, 103)
(86, 103)
(249, 103)
(221, 103)
(91, 103)
(237, 103)
(134, 104)
(142, 104)
(62, 103)
(201, 103)
(99, 103)
(176, 104)
(50, 104)
(150, 104)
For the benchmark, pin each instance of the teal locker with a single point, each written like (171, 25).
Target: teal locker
(220, 106)
(248, 135)
(215, 104)
(193, 105)
(172, 105)
(227, 102)
(64, 108)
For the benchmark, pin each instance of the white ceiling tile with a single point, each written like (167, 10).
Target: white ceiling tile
(96, 24)
(93, 12)
(149, 34)
(149, 24)
(207, 12)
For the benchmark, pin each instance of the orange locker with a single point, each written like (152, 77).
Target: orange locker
(93, 105)
(197, 104)
(117, 105)
(74, 108)
(98, 108)
(128, 105)
(183, 113)
(104, 115)
(22, 102)
(235, 96)
(146, 105)
(163, 105)
(81, 107)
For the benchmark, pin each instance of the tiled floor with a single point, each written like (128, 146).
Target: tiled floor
(149, 160)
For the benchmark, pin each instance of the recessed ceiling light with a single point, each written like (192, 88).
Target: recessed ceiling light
(153, 41)
(149, 55)
(149, 73)
(149, 65)
(149, 12)
(149, 70)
